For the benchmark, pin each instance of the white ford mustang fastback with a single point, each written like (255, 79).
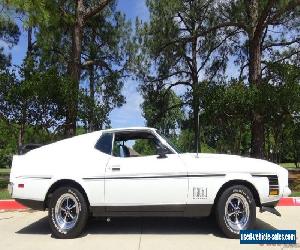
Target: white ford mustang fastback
(137, 172)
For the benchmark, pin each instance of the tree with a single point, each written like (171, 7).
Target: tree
(29, 97)
(179, 46)
(70, 18)
(105, 68)
(8, 142)
(282, 95)
(263, 25)
(144, 147)
(9, 34)
(161, 108)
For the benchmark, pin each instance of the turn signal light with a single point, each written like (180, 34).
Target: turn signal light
(274, 192)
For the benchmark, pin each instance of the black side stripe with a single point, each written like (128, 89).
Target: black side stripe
(35, 177)
(265, 175)
(152, 177)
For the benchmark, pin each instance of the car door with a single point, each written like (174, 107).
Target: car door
(146, 181)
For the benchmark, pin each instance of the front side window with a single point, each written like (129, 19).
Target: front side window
(168, 140)
(104, 143)
(137, 144)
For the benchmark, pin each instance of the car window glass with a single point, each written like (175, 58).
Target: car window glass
(137, 145)
(104, 143)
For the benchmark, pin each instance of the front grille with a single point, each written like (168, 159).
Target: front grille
(273, 183)
(273, 180)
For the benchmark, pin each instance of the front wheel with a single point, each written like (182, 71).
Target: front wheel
(236, 210)
(68, 213)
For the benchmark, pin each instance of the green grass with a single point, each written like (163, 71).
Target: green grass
(4, 178)
(4, 194)
(3, 182)
(288, 165)
(4, 171)
(295, 194)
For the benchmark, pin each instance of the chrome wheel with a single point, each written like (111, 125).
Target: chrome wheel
(66, 212)
(237, 211)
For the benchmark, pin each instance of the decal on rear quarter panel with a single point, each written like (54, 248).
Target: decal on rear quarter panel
(199, 193)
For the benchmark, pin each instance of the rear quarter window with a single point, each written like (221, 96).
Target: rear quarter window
(104, 144)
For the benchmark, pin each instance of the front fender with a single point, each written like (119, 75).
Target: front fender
(211, 185)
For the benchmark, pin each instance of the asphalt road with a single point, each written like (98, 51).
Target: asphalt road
(30, 230)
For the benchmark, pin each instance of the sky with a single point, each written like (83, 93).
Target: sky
(130, 113)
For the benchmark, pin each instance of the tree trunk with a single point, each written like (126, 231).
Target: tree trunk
(75, 70)
(237, 149)
(91, 118)
(195, 94)
(257, 136)
(255, 36)
(197, 143)
(257, 129)
(21, 137)
(268, 144)
(29, 41)
(296, 150)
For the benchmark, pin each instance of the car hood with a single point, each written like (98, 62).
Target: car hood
(223, 164)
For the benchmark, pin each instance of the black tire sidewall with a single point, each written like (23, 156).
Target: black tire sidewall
(220, 210)
(82, 216)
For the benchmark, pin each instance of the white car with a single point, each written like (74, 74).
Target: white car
(137, 172)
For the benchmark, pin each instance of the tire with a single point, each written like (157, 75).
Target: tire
(235, 211)
(68, 213)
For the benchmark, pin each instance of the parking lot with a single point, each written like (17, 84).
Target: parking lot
(29, 230)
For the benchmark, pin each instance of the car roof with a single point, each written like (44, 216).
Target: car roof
(127, 129)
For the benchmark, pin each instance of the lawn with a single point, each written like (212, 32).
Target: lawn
(295, 194)
(3, 182)
(4, 171)
(4, 179)
(288, 165)
(4, 194)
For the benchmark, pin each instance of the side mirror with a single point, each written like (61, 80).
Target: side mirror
(162, 152)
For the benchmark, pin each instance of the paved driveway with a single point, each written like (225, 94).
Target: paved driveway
(30, 230)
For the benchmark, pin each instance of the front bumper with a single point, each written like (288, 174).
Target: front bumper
(286, 191)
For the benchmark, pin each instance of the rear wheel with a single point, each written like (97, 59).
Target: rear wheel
(236, 210)
(68, 213)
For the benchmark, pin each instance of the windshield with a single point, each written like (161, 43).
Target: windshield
(169, 142)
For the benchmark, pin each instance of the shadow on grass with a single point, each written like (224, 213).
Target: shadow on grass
(144, 225)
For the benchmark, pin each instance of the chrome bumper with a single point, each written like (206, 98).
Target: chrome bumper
(286, 191)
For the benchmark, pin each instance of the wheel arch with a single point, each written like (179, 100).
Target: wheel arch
(245, 183)
(64, 183)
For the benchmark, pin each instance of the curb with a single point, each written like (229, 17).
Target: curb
(289, 201)
(8, 205)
